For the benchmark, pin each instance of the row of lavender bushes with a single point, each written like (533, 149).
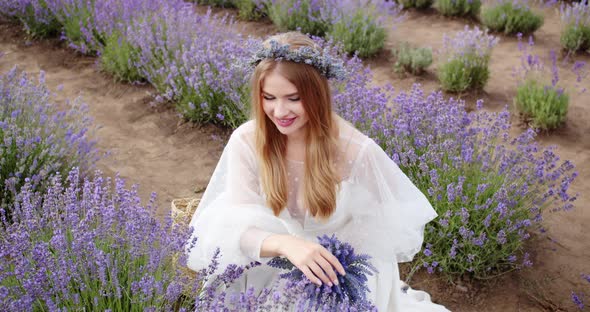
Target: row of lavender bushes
(517, 16)
(347, 21)
(183, 54)
(489, 189)
(361, 26)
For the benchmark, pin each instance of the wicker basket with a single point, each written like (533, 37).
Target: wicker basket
(183, 209)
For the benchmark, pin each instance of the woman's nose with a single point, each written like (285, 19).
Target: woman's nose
(281, 109)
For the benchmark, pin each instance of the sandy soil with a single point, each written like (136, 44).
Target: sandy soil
(152, 146)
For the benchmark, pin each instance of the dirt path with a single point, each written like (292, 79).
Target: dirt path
(152, 147)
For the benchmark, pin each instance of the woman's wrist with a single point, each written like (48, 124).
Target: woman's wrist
(272, 245)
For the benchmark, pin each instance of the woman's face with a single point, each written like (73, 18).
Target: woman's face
(282, 104)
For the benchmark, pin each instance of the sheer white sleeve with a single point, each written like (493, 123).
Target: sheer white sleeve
(232, 215)
(388, 211)
(251, 243)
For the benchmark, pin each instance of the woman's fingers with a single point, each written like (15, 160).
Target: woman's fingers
(317, 271)
(334, 261)
(329, 270)
(310, 275)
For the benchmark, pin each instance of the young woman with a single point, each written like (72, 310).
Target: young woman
(297, 171)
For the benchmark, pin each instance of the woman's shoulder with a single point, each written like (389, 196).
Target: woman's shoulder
(349, 135)
(245, 128)
(245, 132)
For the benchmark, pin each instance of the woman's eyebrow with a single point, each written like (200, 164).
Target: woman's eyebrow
(288, 95)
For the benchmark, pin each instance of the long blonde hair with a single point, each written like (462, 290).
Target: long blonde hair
(321, 179)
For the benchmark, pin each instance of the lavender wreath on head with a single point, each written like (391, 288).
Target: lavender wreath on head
(327, 65)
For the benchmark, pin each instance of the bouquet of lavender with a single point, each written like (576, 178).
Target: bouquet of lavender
(352, 288)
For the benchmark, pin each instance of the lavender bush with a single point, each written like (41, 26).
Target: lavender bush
(541, 99)
(511, 17)
(360, 25)
(76, 20)
(89, 246)
(33, 14)
(352, 287)
(194, 61)
(87, 24)
(118, 58)
(466, 8)
(109, 36)
(575, 26)
(465, 58)
(38, 140)
(250, 10)
(490, 190)
(217, 3)
(309, 16)
(412, 60)
(418, 4)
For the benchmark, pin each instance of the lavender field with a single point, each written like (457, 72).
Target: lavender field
(163, 95)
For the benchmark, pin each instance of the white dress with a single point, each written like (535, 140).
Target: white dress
(378, 211)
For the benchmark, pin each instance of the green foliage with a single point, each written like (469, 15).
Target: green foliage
(118, 58)
(218, 3)
(73, 25)
(412, 60)
(294, 14)
(467, 8)
(575, 38)
(509, 18)
(249, 10)
(462, 74)
(37, 27)
(545, 107)
(208, 104)
(359, 33)
(418, 4)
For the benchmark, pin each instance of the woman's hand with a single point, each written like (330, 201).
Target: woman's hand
(315, 261)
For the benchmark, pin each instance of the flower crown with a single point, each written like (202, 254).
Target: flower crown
(328, 66)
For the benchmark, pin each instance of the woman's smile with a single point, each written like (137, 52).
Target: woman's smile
(285, 122)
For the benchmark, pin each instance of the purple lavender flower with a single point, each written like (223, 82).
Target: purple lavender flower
(38, 140)
(352, 287)
(578, 300)
(575, 26)
(89, 243)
